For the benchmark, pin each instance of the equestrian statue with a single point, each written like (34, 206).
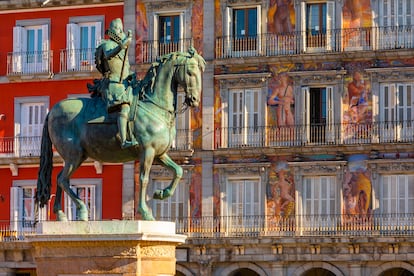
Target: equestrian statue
(124, 120)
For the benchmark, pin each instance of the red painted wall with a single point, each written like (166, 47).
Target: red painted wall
(58, 19)
(56, 90)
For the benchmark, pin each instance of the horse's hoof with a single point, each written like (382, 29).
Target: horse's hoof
(158, 194)
(83, 214)
(145, 215)
(60, 216)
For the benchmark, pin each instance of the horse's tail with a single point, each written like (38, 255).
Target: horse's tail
(44, 180)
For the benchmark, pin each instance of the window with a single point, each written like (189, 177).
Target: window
(396, 111)
(397, 199)
(318, 114)
(29, 117)
(31, 47)
(395, 19)
(242, 30)
(169, 33)
(319, 201)
(183, 139)
(173, 207)
(245, 117)
(83, 37)
(242, 204)
(23, 210)
(317, 25)
(90, 192)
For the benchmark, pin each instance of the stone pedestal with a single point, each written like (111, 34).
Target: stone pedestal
(105, 248)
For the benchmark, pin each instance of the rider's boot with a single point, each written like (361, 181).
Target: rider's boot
(122, 126)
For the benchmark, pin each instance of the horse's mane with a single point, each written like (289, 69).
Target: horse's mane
(148, 81)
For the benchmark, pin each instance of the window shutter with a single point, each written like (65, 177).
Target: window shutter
(45, 49)
(330, 25)
(98, 33)
(330, 128)
(16, 197)
(259, 29)
(72, 44)
(305, 116)
(227, 31)
(303, 25)
(19, 43)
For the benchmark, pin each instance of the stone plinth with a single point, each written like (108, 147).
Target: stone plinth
(105, 248)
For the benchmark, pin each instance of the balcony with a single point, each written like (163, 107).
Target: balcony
(315, 134)
(332, 41)
(77, 60)
(30, 63)
(21, 147)
(340, 225)
(149, 50)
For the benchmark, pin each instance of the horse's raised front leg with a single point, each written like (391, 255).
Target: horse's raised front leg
(178, 173)
(63, 184)
(146, 160)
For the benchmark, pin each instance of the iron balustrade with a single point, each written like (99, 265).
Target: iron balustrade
(77, 60)
(337, 225)
(150, 50)
(24, 63)
(334, 40)
(315, 134)
(30, 146)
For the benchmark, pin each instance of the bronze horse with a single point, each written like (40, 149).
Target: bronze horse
(81, 128)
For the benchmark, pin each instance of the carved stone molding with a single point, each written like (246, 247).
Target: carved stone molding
(391, 74)
(391, 166)
(318, 168)
(242, 80)
(158, 251)
(167, 5)
(317, 77)
(242, 169)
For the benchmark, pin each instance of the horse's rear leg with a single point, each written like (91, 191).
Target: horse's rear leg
(178, 173)
(63, 184)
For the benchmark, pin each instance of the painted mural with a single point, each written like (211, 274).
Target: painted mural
(281, 17)
(357, 189)
(280, 191)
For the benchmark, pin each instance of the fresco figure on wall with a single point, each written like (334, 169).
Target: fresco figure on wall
(280, 195)
(281, 17)
(281, 97)
(357, 97)
(357, 191)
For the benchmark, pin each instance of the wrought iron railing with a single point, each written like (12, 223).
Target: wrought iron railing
(24, 63)
(315, 134)
(334, 40)
(77, 60)
(380, 225)
(299, 225)
(30, 146)
(149, 50)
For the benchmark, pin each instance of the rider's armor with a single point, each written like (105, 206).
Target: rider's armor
(112, 61)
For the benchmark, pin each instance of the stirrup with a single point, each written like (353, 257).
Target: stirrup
(128, 144)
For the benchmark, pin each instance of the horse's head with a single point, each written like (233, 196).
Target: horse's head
(188, 74)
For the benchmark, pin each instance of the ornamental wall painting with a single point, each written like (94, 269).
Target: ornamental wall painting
(356, 190)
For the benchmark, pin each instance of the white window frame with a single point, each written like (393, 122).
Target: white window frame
(330, 120)
(232, 223)
(73, 44)
(165, 207)
(95, 184)
(29, 146)
(330, 25)
(20, 51)
(397, 185)
(391, 127)
(183, 138)
(16, 203)
(155, 48)
(228, 33)
(248, 114)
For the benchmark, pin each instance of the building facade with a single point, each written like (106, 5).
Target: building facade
(299, 160)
